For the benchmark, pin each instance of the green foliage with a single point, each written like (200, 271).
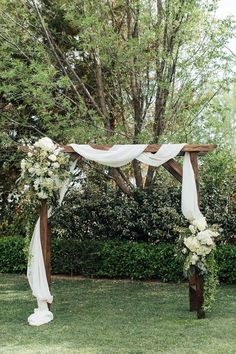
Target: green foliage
(115, 316)
(226, 259)
(114, 259)
(152, 215)
(210, 281)
(218, 191)
(139, 261)
(100, 212)
(12, 256)
(157, 68)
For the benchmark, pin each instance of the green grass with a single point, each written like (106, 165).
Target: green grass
(106, 317)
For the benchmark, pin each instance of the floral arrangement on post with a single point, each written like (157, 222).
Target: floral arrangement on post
(45, 170)
(197, 249)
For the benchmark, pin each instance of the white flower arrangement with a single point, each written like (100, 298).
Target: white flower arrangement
(45, 169)
(198, 245)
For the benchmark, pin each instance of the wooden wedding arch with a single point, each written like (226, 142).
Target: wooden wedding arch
(196, 297)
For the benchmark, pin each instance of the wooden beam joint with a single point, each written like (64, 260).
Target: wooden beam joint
(174, 168)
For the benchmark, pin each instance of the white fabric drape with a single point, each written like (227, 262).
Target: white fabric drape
(36, 272)
(117, 156)
(164, 154)
(189, 198)
(37, 278)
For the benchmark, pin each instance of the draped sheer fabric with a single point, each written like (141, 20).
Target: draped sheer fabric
(117, 156)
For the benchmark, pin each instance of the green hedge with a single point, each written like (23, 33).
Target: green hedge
(113, 259)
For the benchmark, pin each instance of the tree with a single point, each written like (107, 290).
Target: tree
(113, 71)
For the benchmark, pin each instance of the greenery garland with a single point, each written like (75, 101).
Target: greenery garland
(196, 248)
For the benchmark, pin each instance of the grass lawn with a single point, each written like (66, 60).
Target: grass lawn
(108, 316)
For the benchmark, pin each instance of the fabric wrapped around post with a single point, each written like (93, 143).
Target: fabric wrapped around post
(36, 272)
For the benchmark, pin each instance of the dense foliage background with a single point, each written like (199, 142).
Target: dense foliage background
(118, 72)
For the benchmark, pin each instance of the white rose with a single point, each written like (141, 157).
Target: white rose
(57, 151)
(205, 238)
(23, 164)
(200, 223)
(42, 195)
(45, 144)
(26, 187)
(52, 157)
(30, 154)
(194, 259)
(50, 173)
(184, 250)
(192, 243)
(56, 165)
(31, 170)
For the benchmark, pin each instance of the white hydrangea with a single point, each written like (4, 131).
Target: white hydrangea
(42, 195)
(194, 259)
(205, 237)
(192, 243)
(52, 157)
(45, 144)
(56, 165)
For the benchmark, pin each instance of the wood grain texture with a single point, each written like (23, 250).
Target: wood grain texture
(200, 296)
(174, 168)
(192, 293)
(45, 237)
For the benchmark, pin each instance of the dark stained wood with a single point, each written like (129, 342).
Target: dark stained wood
(45, 237)
(200, 148)
(196, 283)
(192, 293)
(200, 296)
(174, 168)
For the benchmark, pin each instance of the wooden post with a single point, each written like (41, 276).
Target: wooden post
(192, 293)
(45, 237)
(200, 296)
(196, 284)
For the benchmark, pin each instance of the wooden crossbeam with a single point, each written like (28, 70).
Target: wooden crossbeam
(174, 168)
(199, 148)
